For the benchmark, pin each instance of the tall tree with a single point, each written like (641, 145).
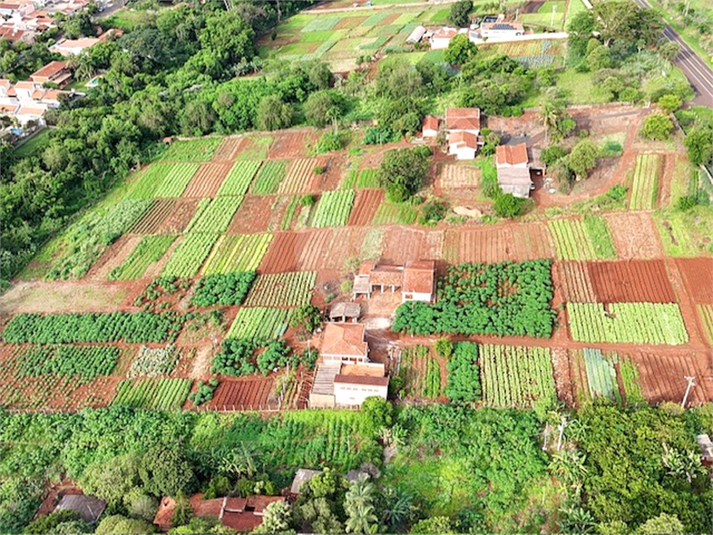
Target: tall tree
(359, 506)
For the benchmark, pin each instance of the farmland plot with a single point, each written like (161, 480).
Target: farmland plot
(365, 206)
(176, 180)
(269, 178)
(149, 250)
(515, 376)
(207, 180)
(601, 375)
(600, 237)
(180, 217)
(153, 394)
(259, 322)
(188, 257)
(422, 374)
(237, 253)
(154, 218)
(217, 215)
(698, 276)
(238, 180)
(705, 312)
(333, 209)
(229, 149)
(571, 240)
(300, 175)
(635, 323)
(576, 283)
(196, 150)
(395, 214)
(630, 379)
(282, 289)
(479, 245)
(634, 235)
(662, 376)
(149, 181)
(532, 241)
(633, 281)
(244, 394)
(644, 191)
(459, 176)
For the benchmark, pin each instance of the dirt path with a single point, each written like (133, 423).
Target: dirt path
(201, 362)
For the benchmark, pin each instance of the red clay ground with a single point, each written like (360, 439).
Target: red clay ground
(662, 376)
(634, 235)
(248, 393)
(366, 204)
(253, 215)
(637, 281)
(576, 283)
(180, 216)
(229, 149)
(401, 245)
(697, 274)
(291, 144)
(112, 257)
(207, 180)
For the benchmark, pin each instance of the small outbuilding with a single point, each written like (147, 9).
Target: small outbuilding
(90, 508)
(501, 30)
(430, 127)
(416, 35)
(441, 37)
(345, 311)
(302, 476)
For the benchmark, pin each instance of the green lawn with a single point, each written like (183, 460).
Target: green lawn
(34, 144)
(580, 89)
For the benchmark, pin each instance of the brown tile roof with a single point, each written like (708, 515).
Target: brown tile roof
(511, 154)
(29, 110)
(372, 369)
(366, 267)
(361, 380)
(444, 33)
(419, 277)
(463, 138)
(50, 69)
(430, 123)
(463, 118)
(345, 339)
(25, 84)
(386, 275)
(8, 108)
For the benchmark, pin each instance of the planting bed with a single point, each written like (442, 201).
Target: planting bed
(457, 176)
(479, 245)
(698, 276)
(154, 219)
(149, 250)
(644, 190)
(188, 257)
(196, 150)
(154, 394)
(282, 289)
(402, 245)
(532, 241)
(299, 177)
(207, 180)
(365, 206)
(246, 394)
(229, 149)
(634, 235)
(268, 180)
(260, 322)
(662, 376)
(576, 283)
(636, 281)
(237, 253)
(217, 215)
(252, 216)
(571, 240)
(179, 218)
(292, 251)
(238, 179)
(333, 209)
(705, 312)
(423, 373)
(176, 180)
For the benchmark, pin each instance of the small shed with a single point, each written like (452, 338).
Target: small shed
(416, 35)
(430, 126)
(302, 476)
(90, 508)
(344, 311)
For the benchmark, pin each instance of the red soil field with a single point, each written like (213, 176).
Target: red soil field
(253, 215)
(402, 244)
(432, 245)
(480, 245)
(154, 218)
(229, 149)
(634, 235)
(365, 205)
(346, 243)
(289, 144)
(179, 218)
(698, 276)
(207, 180)
(249, 393)
(295, 251)
(636, 280)
(662, 376)
(576, 283)
(532, 241)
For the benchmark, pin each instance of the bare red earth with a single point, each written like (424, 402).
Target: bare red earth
(180, 216)
(662, 376)
(698, 276)
(207, 180)
(229, 149)
(636, 280)
(365, 205)
(253, 215)
(248, 393)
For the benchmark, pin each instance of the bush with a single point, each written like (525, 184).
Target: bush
(140, 505)
(657, 126)
(307, 317)
(377, 135)
(204, 392)
(48, 523)
(617, 192)
(459, 13)
(670, 103)
(432, 212)
(245, 357)
(463, 384)
(444, 347)
(460, 50)
(166, 471)
(223, 289)
(507, 205)
(552, 154)
(273, 113)
(331, 141)
(376, 414)
(308, 200)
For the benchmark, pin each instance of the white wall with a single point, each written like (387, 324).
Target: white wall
(348, 394)
(415, 296)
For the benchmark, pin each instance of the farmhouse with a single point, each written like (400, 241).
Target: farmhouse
(89, 508)
(347, 385)
(463, 145)
(56, 72)
(430, 126)
(463, 119)
(344, 342)
(415, 280)
(441, 37)
(501, 30)
(418, 282)
(512, 163)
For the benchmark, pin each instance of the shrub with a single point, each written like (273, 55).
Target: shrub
(617, 192)
(403, 171)
(463, 374)
(223, 289)
(657, 126)
(553, 153)
(507, 205)
(444, 347)
(308, 200)
(204, 392)
(307, 317)
(319, 170)
(432, 212)
(331, 141)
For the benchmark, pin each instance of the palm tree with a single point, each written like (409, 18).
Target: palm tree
(359, 506)
(240, 462)
(551, 110)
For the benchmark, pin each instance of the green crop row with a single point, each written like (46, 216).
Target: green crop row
(178, 177)
(85, 362)
(514, 376)
(263, 323)
(411, 369)
(223, 289)
(635, 323)
(197, 150)
(395, 214)
(149, 181)
(630, 380)
(432, 388)
(368, 178)
(217, 216)
(238, 180)
(149, 250)
(153, 394)
(282, 289)
(644, 191)
(189, 255)
(571, 240)
(139, 327)
(242, 252)
(268, 179)
(333, 209)
(600, 237)
(601, 375)
(200, 208)
(706, 314)
(286, 222)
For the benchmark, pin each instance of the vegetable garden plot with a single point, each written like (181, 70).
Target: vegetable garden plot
(229, 149)
(333, 209)
(149, 250)
(188, 257)
(576, 284)
(644, 191)
(197, 150)
(154, 218)
(634, 235)
(180, 217)
(600, 237)
(261, 322)
(631, 281)
(629, 373)
(634, 323)
(365, 206)
(532, 241)
(515, 376)
(479, 245)
(176, 180)
(84, 363)
(662, 376)
(282, 289)
(571, 240)
(244, 394)
(698, 275)
(269, 178)
(237, 253)
(238, 180)
(402, 245)
(255, 148)
(153, 394)
(395, 214)
(217, 215)
(288, 144)
(253, 215)
(705, 312)
(293, 251)
(368, 178)
(207, 180)
(149, 181)
(421, 373)
(601, 375)
(458, 176)
(300, 175)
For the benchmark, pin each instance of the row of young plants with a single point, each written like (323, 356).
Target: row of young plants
(154, 362)
(153, 394)
(644, 191)
(223, 289)
(217, 215)
(242, 252)
(149, 250)
(290, 289)
(504, 299)
(175, 180)
(189, 255)
(634, 323)
(259, 322)
(333, 209)
(571, 240)
(269, 178)
(138, 327)
(601, 375)
(195, 150)
(83, 362)
(239, 177)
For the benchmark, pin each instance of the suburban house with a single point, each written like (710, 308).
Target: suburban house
(89, 508)
(441, 37)
(430, 126)
(344, 342)
(419, 281)
(501, 30)
(513, 167)
(55, 72)
(28, 100)
(73, 47)
(463, 145)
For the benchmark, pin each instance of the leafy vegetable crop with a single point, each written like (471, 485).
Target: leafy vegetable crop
(85, 362)
(149, 250)
(228, 289)
(238, 180)
(282, 289)
(259, 322)
(333, 209)
(154, 394)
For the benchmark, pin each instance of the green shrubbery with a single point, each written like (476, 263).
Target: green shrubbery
(463, 373)
(223, 289)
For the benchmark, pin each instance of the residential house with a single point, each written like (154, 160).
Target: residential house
(344, 342)
(89, 508)
(419, 281)
(465, 119)
(56, 72)
(430, 127)
(15, 35)
(347, 385)
(462, 144)
(512, 163)
(441, 37)
(493, 31)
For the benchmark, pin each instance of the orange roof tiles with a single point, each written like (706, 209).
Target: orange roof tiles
(430, 123)
(361, 380)
(386, 276)
(419, 277)
(463, 138)
(50, 69)
(511, 154)
(463, 118)
(345, 339)
(444, 33)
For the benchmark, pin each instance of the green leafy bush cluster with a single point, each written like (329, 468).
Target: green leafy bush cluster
(223, 289)
(161, 287)
(204, 393)
(376, 135)
(245, 357)
(463, 374)
(87, 362)
(504, 299)
(403, 171)
(138, 327)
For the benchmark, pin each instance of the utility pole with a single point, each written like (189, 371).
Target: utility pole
(688, 389)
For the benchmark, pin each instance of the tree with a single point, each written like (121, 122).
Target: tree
(165, 471)
(580, 30)
(507, 205)
(273, 113)
(376, 413)
(459, 13)
(307, 317)
(583, 158)
(554, 116)
(661, 525)
(403, 171)
(359, 506)
(121, 525)
(48, 523)
(552, 154)
(113, 479)
(670, 103)
(669, 50)
(435, 524)
(276, 519)
(699, 143)
(657, 126)
(323, 107)
(576, 520)
(460, 49)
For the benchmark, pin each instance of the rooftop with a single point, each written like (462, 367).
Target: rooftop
(361, 380)
(345, 339)
(50, 69)
(345, 309)
(511, 154)
(463, 118)
(89, 508)
(302, 476)
(419, 276)
(463, 138)
(430, 123)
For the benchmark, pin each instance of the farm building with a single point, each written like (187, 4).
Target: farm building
(513, 167)
(89, 508)
(501, 30)
(344, 342)
(345, 311)
(441, 37)
(465, 119)
(430, 126)
(347, 385)
(463, 145)
(416, 35)
(418, 282)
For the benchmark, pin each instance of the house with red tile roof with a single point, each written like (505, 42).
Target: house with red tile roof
(512, 162)
(430, 126)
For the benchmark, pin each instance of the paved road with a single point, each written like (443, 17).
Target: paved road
(698, 73)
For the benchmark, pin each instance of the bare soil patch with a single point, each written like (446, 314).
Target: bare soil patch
(402, 244)
(290, 144)
(229, 149)
(113, 257)
(634, 235)
(63, 296)
(207, 180)
(347, 23)
(180, 216)
(345, 244)
(488, 244)
(294, 251)
(576, 283)
(253, 215)
(697, 274)
(365, 205)
(201, 362)
(662, 376)
(532, 241)
(563, 378)
(245, 393)
(637, 281)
